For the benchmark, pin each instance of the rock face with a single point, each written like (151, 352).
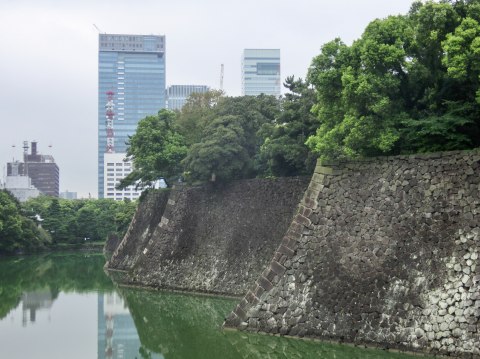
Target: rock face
(146, 218)
(383, 252)
(209, 239)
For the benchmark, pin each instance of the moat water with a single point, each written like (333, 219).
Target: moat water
(63, 305)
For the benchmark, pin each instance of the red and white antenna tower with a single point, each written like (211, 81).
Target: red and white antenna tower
(109, 122)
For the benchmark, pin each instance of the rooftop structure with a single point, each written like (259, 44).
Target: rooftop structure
(261, 72)
(41, 169)
(177, 95)
(18, 185)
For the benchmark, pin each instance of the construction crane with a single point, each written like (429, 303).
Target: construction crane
(99, 31)
(221, 77)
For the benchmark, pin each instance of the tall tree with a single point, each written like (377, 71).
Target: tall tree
(283, 152)
(407, 85)
(221, 155)
(196, 114)
(156, 150)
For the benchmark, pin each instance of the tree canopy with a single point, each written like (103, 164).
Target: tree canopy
(156, 149)
(225, 138)
(18, 232)
(283, 151)
(409, 84)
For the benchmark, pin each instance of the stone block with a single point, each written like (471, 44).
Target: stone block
(243, 303)
(312, 193)
(240, 313)
(268, 274)
(277, 268)
(264, 283)
(283, 249)
(317, 187)
(303, 220)
(259, 291)
(318, 178)
(310, 202)
(251, 298)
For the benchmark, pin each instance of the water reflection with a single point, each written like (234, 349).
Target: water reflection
(49, 273)
(183, 326)
(33, 301)
(117, 333)
(179, 325)
(63, 305)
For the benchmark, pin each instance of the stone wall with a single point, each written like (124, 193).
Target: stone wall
(147, 216)
(214, 239)
(383, 252)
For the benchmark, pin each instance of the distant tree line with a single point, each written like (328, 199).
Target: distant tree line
(409, 84)
(18, 232)
(45, 222)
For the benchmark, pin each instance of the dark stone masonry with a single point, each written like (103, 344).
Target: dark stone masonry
(212, 239)
(146, 218)
(382, 252)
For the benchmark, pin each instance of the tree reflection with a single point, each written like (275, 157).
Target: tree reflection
(52, 273)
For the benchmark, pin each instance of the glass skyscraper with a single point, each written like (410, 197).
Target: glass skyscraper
(177, 95)
(261, 72)
(131, 85)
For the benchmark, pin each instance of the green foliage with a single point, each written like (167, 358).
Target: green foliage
(17, 232)
(75, 221)
(407, 85)
(196, 114)
(226, 138)
(230, 139)
(221, 155)
(283, 152)
(156, 150)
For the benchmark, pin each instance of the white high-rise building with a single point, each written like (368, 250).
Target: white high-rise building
(261, 72)
(115, 169)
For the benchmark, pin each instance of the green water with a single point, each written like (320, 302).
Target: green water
(64, 306)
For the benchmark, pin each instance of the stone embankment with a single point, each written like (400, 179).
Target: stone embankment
(207, 239)
(147, 216)
(383, 252)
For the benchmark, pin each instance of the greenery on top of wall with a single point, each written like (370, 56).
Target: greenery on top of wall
(224, 138)
(410, 83)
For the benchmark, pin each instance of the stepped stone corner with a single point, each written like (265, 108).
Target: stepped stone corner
(381, 252)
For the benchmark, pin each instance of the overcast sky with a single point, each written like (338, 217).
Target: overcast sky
(49, 54)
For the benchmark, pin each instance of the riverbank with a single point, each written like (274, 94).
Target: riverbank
(61, 247)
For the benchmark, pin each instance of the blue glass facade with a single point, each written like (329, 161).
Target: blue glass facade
(133, 68)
